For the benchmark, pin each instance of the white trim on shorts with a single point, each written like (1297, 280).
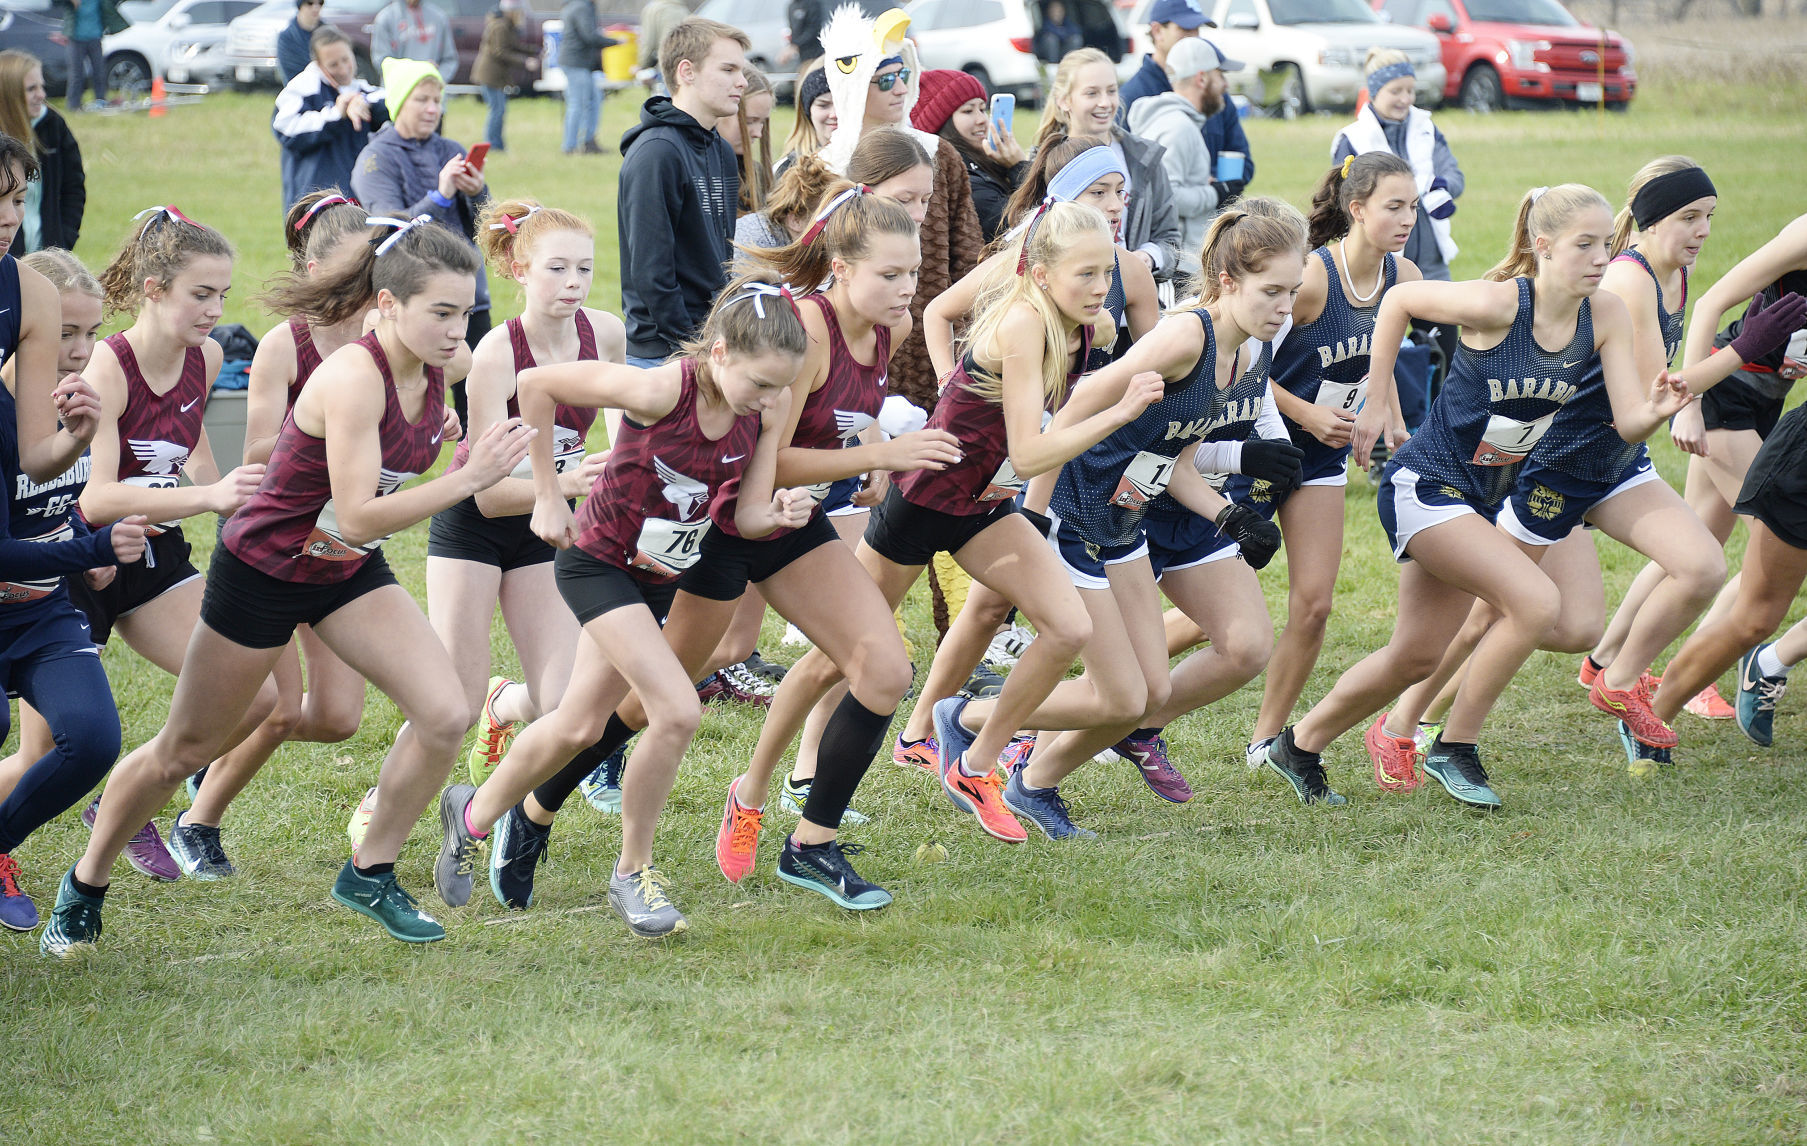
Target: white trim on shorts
(1081, 579)
(1340, 478)
(1411, 516)
(1233, 549)
(167, 590)
(1516, 529)
(848, 510)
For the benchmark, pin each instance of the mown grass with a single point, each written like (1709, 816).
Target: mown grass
(1604, 960)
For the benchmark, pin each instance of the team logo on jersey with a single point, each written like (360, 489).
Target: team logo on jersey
(1540, 389)
(160, 458)
(849, 423)
(1544, 502)
(1344, 349)
(688, 494)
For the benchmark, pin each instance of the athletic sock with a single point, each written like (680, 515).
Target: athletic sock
(472, 828)
(1446, 745)
(1595, 665)
(853, 737)
(1769, 664)
(906, 742)
(88, 889)
(373, 870)
(1145, 733)
(797, 781)
(964, 770)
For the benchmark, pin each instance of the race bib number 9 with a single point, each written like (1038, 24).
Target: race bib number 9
(1144, 479)
(1345, 396)
(1004, 484)
(667, 548)
(1508, 441)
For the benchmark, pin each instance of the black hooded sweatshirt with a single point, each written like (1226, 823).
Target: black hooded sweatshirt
(677, 197)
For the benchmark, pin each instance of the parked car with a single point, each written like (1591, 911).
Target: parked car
(994, 40)
(1307, 54)
(766, 23)
(178, 40)
(1503, 52)
(29, 25)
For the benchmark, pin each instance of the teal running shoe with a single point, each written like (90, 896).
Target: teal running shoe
(1757, 696)
(1303, 770)
(1458, 768)
(383, 899)
(824, 869)
(515, 849)
(74, 921)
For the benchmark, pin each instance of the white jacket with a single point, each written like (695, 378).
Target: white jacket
(1365, 135)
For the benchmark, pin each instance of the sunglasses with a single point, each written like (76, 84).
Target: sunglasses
(891, 79)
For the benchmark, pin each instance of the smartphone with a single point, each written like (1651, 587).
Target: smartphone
(476, 155)
(1003, 112)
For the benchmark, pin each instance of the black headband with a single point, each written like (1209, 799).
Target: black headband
(1669, 193)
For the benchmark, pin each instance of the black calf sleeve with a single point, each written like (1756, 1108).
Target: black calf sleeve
(552, 794)
(855, 734)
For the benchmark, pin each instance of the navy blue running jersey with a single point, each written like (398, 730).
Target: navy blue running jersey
(1105, 492)
(1325, 361)
(1117, 303)
(1497, 405)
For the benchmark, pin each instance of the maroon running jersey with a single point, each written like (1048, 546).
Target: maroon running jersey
(307, 356)
(649, 508)
(157, 432)
(570, 424)
(983, 476)
(288, 528)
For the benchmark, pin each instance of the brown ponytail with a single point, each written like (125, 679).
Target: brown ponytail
(1335, 191)
(344, 287)
(161, 246)
(1542, 213)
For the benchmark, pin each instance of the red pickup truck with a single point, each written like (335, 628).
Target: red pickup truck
(1515, 53)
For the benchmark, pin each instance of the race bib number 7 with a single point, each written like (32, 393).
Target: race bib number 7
(667, 548)
(1143, 480)
(1507, 441)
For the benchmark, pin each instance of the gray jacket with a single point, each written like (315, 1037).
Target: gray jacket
(1169, 120)
(423, 33)
(581, 42)
(395, 176)
(1151, 222)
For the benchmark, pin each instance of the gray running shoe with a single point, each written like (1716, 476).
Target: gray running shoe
(640, 899)
(459, 850)
(197, 848)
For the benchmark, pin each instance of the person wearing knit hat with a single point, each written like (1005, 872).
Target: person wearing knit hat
(953, 105)
(816, 119)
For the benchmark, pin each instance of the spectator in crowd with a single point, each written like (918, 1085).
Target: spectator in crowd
(503, 52)
(747, 132)
(293, 49)
(409, 169)
(580, 48)
(324, 117)
(1082, 103)
(1176, 119)
(1392, 122)
(1059, 34)
(816, 120)
(675, 204)
(1169, 22)
(54, 202)
(414, 30)
(84, 23)
(807, 19)
(954, 106)
(656, 20)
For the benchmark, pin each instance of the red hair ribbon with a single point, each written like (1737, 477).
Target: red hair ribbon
(1022, 260)
(167, 211)
(820, 223)
(329, 201)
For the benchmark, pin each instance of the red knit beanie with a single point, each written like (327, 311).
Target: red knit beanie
(943, 91)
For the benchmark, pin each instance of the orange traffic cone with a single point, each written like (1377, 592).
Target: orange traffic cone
(158, 98)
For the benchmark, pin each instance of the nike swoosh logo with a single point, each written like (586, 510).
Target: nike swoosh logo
(732, 460)
(1570, 365)
(185, 409)
(437, 436)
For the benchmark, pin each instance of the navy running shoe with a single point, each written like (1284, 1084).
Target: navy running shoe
(1044, 808)
(824, 869)
(514, 855)
(1303, 770)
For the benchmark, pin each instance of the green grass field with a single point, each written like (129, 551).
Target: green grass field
(1606, 959)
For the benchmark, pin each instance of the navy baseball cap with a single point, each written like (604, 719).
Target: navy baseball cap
(1185, 13)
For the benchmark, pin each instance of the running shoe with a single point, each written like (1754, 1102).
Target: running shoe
(1588, 672)
(1255, 755)
(794, 638)
(711, 688)
(760, 667)
(1641, 759)
(951, 736)
(514, 855)
(983, 797)
(745, 686)
(1709, 705)
(459, 850)
(144, 851)
(360, 821)
(1016, 754)
(1757, 697)
(1044, 808)
(922, 754)
(602, 788)
(1633, 707)
(17, 911)
(984, 683)
(795, 794)
(639, 898)
(193, 784)
(1303, 770)
(1396, 759)
(1009, 646)
(74, 921)
(197, 848)
(385, 901)
(737, 840)
(824, 869)
(1156, 767)
(1458, 768)
(493, 736)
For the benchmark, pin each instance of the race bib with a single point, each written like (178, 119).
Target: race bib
(818, 493)
(1508, 441)
(326, 543)
(1143, 480)
(19, 592)
(667, 548)
(567, 453)
(1345, 396)
(155, 481)
(1004, 485)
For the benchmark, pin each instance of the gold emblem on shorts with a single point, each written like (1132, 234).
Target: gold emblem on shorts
(1091, 551)
(1261, 490)
(1544, 502)
(1452, 492)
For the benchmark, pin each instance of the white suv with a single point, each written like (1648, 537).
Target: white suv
(994, 40)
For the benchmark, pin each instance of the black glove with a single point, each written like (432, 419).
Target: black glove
(1275, 461)
(1233, 189)
(1258, 537)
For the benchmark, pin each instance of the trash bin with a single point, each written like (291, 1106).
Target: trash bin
(619, 61)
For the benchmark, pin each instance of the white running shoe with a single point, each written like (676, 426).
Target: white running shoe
(1008, 646)
(793, 636)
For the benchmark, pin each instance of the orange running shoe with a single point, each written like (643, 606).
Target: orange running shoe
(923, 754)
(1398, 765)
(1633, 707)
(737, 843)
(1587, 673)
(1709, 705)
(493, 736)
(983, 796)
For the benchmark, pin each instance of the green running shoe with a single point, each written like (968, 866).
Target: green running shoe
(1458, 768)
(74, 921)
(383, 899)
(796, 794)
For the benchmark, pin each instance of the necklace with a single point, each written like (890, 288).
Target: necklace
(1380, 276)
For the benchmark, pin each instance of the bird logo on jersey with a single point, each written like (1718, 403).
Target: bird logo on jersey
(849, 423)
(688, 494)
(1544, 502)
(160, 458)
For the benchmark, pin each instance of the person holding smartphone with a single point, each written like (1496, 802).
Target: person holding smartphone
(953, 105)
